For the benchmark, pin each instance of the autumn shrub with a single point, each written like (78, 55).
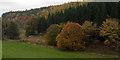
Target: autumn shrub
(110, 31)
(70, 38)
(90, 30)
(51, 34)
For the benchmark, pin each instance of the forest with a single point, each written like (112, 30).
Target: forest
(76, 12)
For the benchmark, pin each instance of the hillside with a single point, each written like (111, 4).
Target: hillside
(22, 16)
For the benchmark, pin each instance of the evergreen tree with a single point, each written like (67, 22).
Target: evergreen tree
(13, 31)
(115, 12)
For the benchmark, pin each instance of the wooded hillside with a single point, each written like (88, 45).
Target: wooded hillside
(22, 16)
(74, 11)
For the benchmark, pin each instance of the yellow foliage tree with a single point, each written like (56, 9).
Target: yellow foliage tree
(110, 30)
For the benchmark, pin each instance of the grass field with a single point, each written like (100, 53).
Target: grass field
(23, 50)
(0, 49)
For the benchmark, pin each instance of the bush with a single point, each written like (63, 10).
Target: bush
(90, 31)
(51, 34)
(13, 31)
(88, 27)
(71, 37)
(110, 31)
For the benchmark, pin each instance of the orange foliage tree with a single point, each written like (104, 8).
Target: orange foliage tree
(71, 37)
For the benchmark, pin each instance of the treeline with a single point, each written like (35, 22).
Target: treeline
(94, 12)
(74, 11)
(22, 16)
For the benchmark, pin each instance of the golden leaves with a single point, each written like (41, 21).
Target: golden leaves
(110, 30)
(71, 37)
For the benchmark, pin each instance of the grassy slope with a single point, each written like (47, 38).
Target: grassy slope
(22, 50)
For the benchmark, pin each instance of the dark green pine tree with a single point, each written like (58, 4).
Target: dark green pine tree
(13, 30)
(42, 25)
(103, 12)
(27, 31)
(115, 11)
(98, 16)
(50, 20)
(119, 10)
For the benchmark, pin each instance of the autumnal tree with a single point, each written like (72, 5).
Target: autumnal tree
(70, 38)
(31, 26)
(88, 27)
(110, 30)
(51, 34)
(13, 30)
(90, 30)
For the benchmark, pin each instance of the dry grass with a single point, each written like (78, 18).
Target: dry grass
(36, 40)
(101, 49)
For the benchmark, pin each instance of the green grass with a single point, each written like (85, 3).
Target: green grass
(23, 50)
(0, 49)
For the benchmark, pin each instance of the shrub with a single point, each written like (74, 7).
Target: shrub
(71, 37)
(51, 34)
(88, 27)
(110, 31)
(90, 31)
(13, 31)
